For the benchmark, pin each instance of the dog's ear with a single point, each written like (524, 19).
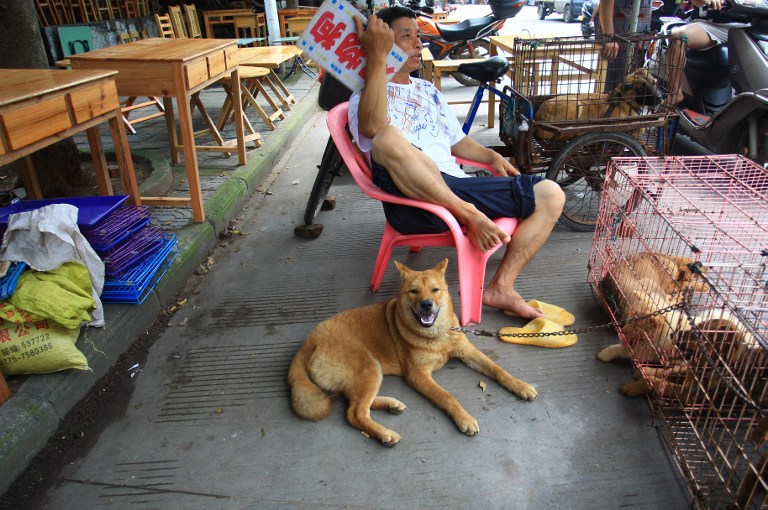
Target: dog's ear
(441, 266)
(404, 270)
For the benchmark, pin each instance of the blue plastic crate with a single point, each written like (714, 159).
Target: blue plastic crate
(118, 226)
(90, 210)
(136, 286)
(140, 247)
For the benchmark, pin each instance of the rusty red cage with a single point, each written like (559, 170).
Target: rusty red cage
(681, 251)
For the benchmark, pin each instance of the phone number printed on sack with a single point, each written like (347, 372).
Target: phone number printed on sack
(31, 353)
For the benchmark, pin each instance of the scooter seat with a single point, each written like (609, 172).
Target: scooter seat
(467, 29)
(714, 60)
(490, 69)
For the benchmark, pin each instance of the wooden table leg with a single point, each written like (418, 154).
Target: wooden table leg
(237, 103)
(125, 160)
(190, 155)
(5, 391)
(99, 161)
(170, 126)
(26, 169)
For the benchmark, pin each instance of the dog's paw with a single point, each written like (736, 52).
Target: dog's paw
(468, 425)
(390, 439)
(396, 407)
(634, 389)
(526, 392)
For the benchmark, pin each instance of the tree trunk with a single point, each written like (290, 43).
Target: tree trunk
(21, 46)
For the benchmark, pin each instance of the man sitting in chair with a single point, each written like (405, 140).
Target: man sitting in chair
(410, 132)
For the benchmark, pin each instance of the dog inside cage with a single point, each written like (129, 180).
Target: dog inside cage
(679, 260)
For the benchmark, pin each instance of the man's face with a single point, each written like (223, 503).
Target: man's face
(407, 38)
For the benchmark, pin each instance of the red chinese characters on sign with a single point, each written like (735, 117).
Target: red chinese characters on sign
(326, 32)
(351, 54)
(5, 336)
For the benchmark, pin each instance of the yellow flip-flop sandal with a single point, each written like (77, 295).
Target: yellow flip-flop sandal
(551, 312)
(538, 325)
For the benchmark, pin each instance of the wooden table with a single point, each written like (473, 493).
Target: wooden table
(271, 57)
(506, 43)
(284, 14)
(223, 17)
(174, 68)
(39, 107)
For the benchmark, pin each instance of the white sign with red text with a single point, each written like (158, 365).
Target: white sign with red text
(331, 40)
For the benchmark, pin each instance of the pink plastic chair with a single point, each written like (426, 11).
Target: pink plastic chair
(471, 260)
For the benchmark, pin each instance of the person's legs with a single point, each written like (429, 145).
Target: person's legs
(529, 237)
(416, 176)
(697, 39)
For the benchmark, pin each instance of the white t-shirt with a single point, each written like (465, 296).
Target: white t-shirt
(423, 116)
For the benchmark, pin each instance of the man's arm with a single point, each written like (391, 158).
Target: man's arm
(605, 8)
(471, 150)
(377, 39)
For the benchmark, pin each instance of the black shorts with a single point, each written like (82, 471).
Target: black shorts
(494, 196)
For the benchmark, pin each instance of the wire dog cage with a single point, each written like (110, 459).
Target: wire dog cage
(689, 236)
(571, 111)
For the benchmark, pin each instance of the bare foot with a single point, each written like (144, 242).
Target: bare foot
(511, 301)
(484, 233)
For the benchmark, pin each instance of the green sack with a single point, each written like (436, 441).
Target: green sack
(38, 348)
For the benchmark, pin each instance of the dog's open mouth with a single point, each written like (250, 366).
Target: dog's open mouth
(426, 319)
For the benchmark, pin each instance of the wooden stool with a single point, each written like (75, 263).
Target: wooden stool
(251, 79)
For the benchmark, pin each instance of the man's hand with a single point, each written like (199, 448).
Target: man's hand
(502, 166)
(610, 50)
(377, 38)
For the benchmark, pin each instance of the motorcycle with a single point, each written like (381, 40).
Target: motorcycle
(466, 39)
(725, 110)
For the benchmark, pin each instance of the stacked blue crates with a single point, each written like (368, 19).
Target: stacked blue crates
(136, 254)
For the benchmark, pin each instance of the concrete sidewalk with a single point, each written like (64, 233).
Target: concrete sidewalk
(33, 413)
(207, 423)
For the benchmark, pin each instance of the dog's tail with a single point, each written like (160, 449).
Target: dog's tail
(307, 399)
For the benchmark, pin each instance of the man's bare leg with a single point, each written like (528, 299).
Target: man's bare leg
(529, 237)
(697, 39)
(416, 176)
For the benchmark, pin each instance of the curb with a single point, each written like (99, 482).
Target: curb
(32, 415)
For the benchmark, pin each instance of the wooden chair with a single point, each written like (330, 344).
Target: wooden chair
(246, 30)
(193, 22)
(164, 26)
(46, 13)
(83, 11)
(104, 9)
(177, 21)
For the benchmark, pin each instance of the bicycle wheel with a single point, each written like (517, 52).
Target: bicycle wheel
(329, 167)
(481, 48)
(580, 170)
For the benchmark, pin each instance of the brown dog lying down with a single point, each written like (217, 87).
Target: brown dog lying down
(409, 335)
(627, 99)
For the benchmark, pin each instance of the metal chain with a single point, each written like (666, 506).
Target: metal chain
(617, 324)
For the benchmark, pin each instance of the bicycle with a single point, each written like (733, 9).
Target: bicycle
(331, 93)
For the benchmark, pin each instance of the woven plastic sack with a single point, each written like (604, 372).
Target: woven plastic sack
(38, 347)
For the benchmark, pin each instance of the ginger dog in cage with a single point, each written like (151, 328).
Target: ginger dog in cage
(627, 99)
(726, 342)
(640, 285)
(409, 335)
